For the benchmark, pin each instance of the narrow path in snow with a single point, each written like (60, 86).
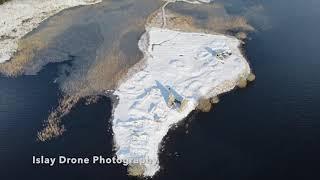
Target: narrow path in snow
(164, 19)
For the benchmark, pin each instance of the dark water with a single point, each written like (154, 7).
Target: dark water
(270, 130)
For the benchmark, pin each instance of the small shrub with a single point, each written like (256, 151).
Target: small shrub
(214, 100)
(251, 77)
(204, 105)
(3, 1)
(242, 83)
(136, 170)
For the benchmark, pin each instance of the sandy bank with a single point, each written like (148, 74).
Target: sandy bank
(190, 65)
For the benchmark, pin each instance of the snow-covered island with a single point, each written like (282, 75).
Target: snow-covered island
(19, 17)
(193, 66)
(185, 66)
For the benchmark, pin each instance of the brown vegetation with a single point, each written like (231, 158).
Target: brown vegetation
(3, 1)
(214, 100)
(23, 57)
(242, 83)
(251, 77)
(174, 21)
(241, 35)
(215, 24)
(92, 100)
(234, 23)
(29, 46)
(108, 68)
(179, 22)
(204, 105)
(136, 170)
(105, 72)
(155, 19)
(53, 127)
(102, 76)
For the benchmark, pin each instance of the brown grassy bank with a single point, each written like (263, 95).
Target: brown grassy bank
(104, 73)
(222, 24)
(3, 1)
(32, 44)
(52, 126)
(102, 77)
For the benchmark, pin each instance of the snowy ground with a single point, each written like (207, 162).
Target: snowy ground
(186, 62)
(18, 17)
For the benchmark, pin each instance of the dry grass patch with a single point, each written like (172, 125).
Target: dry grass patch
(180, 22)
(32, 44)
(52, 127)
(251, 77)
(24, 56)
(106, 74)
(155, 19)
(136, 170)
(174, 21)
(214, 100)
(242, 83)
(177, 21)
(3, 1)
(204, 105)
(241, 35)
(223, 25)
(102, 76)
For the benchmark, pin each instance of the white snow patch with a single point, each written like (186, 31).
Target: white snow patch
(18, 17)
(186, 62)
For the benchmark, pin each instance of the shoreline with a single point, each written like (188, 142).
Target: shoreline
(189, 65)
(14, 26)
(136, 95)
